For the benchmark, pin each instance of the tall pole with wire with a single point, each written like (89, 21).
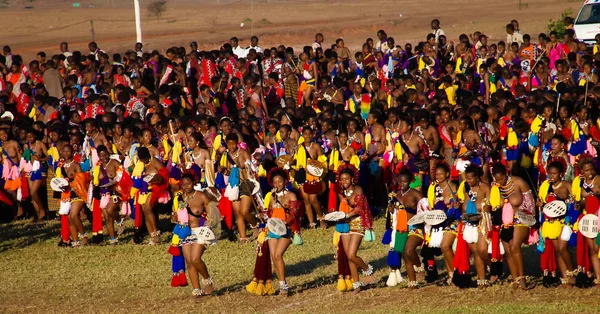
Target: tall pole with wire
(138, 21)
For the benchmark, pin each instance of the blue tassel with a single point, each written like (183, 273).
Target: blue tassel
(573, 240)
(35, 175)
(387, 237)
(86, 165)
(177, 229)
(471, 208)
(572, 214)
(178, 263)
(175, 173)
(394, 260)
(184, 232)
(373, 167)
(138, 182)
(234, 176)
(534, 140)
(220, 181)
(578, 147)
(512, 154)
(342, 227)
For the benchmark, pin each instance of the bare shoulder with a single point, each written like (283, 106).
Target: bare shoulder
(358, 190)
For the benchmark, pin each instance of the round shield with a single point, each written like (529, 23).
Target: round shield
(335, 216)
(435, 217)
(526, 219)
(149, 177)
(588, 226)
(417, 219)
(555, 209)
(58, 184)
(204, 234)
(315, 168)
(277, 226)
(284, 161)
(256, 187)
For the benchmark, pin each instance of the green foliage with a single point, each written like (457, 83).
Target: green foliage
(157, 9)
(559, 26)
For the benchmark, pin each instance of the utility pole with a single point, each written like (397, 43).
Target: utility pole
(138, 21)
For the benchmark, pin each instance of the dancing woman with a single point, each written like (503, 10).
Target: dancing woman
(281, 204)
(354, 202)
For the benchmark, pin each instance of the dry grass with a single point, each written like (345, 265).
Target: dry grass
(39, 277)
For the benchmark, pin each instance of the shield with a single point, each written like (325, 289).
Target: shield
(205, 235)
(149, 177)
(58, 184)
(588, 226)
(435, 217)
(335, 216)
(277, 226)
(315, 168)
(417, 219)
(526, 219)
(555, 209)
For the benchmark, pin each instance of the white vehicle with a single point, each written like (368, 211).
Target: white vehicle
(587, 23)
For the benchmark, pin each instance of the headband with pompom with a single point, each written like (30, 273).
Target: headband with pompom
(276, 171)
(347, 167)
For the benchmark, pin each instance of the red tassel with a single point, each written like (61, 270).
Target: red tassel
(332, 201)
(96, 217)
(583, 252)
(591, 204)
(174, 250)
(5, 199)
(262, 266)
(547, 258)
(226, 210)
(138, 212)
(182, 280)
(175, 282)
(495, 236)
(24, 187)
(65, 232)
(462, 255)
(343, 267)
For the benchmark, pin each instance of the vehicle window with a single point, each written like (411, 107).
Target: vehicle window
(590, 14)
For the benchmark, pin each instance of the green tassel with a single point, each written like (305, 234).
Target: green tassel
(598, 240)
(297, 239)
(400, 241)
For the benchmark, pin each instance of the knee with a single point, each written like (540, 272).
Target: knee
(277, 257)
(195, 260)
(409, 252)
(515, 248)
(73, 215)
(446, 246)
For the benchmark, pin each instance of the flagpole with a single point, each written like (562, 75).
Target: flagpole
(138, 21)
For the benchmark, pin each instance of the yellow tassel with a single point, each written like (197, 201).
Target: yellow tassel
(177, 149)
(536, 125)
(301, 157)
(512, 140)
(398, 152)
(355, 161)
(501, 62)
(114, 149)
(58, 173)
(526, 161)
(336, 238)
(33, 113)
(251, 287)
(216, 146)
(352, 105)
(388, 138)
(261, 171)
(267, 200)
(301, 140)
(551, 230)
(576, 188)
(495, 197)
(460, 193)
(575, 129)
(166, 147)
(341, 285)
(143, 198)
(536, 157)
(269, 288)
(334, 159)
(349, 283)
(96, 174)
(363, 81)
(431, 195)
(261, 237)
(493, 88)
(223, 161)
(543, 193)
(459, 62)
(323, 159)
(260, 289)
(576, 226)
(138, 170)
(176, 201)
(175, 240)
(368, 139)
(278, 136)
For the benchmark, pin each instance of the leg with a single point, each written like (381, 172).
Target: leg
(75, 222)
(314, 201)
(150, 220)
(308, 208)
(36, 200)
(110, 215)
(520, 234)
(192, 271)
(239, 220)
(446, 246)
(594, 258)
(563, 254)
(246, 210)
(508, 256)
(411, 258)
(200, 266)
(482, 254)
(352, 266)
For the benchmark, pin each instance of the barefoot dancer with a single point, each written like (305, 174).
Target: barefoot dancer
(71, 170)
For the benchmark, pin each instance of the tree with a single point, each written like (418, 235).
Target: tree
(559, 25)
(157, 8)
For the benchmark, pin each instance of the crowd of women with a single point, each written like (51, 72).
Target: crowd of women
(467, 150)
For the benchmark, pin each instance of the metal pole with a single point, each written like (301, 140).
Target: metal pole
(93, 33)
(138, 21)
(252, 16)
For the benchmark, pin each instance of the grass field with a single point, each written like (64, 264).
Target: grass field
(39, 277)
